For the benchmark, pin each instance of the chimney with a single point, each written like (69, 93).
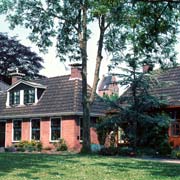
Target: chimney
(16, 76)
(147, 68)
(76, 71)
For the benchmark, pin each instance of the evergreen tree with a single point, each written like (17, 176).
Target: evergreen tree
(15, 55)
(148, 39)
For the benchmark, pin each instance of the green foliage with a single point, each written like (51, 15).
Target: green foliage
(175, 154)
(15, 55)
(121, 151)
(28, 146)
(60, 145)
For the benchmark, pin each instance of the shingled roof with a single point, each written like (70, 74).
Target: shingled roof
(168, 87)
(61, 97)
(106, 81)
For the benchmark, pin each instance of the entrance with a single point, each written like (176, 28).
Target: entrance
(2, 134)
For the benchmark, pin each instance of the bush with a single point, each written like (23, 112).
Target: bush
(61, 145)
(164, 148)
(121, 151)
(175, 153)
(28, 146)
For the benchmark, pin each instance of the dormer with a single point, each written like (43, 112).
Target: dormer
(23, 93)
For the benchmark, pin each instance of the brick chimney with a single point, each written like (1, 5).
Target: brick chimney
(147, 68)
(16, 76)
(76, 71)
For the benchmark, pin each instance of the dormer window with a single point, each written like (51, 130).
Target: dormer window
(29, 96)
(24, 93)
(14, 98)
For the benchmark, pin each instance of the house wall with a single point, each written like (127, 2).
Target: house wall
(70, 132)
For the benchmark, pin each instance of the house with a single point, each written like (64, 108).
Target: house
(108, 86)
(168, 90)
(46, 110)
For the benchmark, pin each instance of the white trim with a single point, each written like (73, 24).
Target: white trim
(50, 140)
(31, 129)
(32, 84)
(21, 94)
(13, 130)
(36, 96)
(7, 99)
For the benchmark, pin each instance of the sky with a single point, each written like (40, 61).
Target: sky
(52, 65)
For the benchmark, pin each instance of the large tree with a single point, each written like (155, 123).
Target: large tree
(148, 39)
(67, 21)
(15, 55)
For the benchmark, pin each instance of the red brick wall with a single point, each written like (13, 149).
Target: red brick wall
(70, 131)
(8, 138)
(45, 132)
(94, 137)
(25, 134)
(175, 141)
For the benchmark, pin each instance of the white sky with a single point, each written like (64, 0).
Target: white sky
(52, 65)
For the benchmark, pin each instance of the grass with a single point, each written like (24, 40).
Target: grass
(82, 167)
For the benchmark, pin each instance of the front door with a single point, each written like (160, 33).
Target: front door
(2, 134)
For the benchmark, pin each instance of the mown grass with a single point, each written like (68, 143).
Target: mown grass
(83, 167)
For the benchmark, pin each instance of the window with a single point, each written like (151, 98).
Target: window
(120, 135)
(29, 96)
(81, 129)
(14, 98)
(35, 129)
(55, 128)
(175, 128)
(17, 130)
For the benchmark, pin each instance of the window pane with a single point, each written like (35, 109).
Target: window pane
(55, 128)
(29, 96)
(15, 98)
(35, 129)
(175, 129)
(17, 130)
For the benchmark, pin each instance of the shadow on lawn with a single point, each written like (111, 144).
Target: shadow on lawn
(153, 168)
(28, 165)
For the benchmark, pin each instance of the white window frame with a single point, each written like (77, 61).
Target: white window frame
(50, 138)
(80, 140)
(31, 129)
(14, 141)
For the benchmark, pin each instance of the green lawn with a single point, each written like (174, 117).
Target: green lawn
(78, 167)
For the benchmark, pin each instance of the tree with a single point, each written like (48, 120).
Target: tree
(148, 39)
(67, 21)
(15, 55)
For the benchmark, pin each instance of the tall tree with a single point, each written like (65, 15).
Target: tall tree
(15, 55)
(67, 21)
(148, 39)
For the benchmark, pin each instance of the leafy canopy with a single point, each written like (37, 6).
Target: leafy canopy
(15, 55)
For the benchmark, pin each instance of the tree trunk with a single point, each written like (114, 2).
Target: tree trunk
(98, 58)
(86, 106)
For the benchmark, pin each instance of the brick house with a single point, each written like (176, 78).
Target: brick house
(168, 90)
(108, 86)
(46, 110)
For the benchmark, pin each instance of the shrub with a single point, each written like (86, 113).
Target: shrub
(28, 146)
(122, 151)
(164, 148)
(175, 153)
(61, 145)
